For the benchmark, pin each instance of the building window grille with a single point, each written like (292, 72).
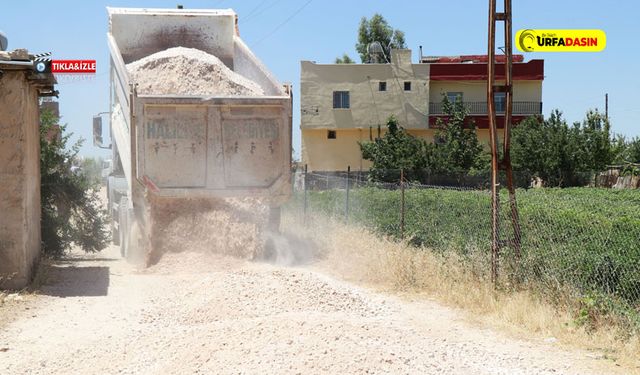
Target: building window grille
(341, 99)
(331, 134)
(500, 98)
(382, 86)
(454, 96)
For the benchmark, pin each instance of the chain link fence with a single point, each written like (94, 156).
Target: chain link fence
(576, 244)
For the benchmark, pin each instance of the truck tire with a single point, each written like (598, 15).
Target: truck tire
(123, 225)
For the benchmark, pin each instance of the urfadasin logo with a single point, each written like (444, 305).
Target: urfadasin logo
(538, 40)
(526, 40)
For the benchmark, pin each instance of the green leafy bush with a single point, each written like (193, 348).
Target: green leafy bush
(71, 207)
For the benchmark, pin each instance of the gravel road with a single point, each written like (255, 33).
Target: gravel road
(218, 315)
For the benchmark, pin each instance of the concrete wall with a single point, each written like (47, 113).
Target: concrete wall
(369, 106)
(19, 180)
(323, 154)
(476, 91)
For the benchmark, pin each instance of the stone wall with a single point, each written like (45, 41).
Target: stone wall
(19, 179)
(613, 179)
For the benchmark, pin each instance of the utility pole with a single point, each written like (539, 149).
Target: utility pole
(606, 106)
(505, 163)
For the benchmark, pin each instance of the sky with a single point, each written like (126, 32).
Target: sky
(284, 32)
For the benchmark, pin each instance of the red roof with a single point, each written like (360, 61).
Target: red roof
(468, 59)
(532, 70)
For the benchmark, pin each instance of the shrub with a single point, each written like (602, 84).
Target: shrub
(71, 208)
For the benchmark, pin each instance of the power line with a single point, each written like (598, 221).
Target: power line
(284, 22)
(252, 11)
(256, 12)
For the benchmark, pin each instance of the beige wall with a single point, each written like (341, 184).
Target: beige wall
(369, 106)
(322, 154)
(476, 91)
(20, 180)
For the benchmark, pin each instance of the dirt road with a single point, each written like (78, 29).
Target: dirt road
(217, 315)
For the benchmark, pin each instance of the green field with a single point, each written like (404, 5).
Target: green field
(584, 241)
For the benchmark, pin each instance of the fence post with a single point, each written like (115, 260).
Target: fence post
(402, 203)
(346, 209)
(306, 183)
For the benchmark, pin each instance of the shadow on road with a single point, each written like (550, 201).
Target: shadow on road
(72, 281)
(89, 259)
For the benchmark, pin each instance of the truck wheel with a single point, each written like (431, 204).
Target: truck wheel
(123, 226)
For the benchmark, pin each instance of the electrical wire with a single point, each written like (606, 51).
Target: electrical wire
(283, 22)
(252, 11)
(256, 12)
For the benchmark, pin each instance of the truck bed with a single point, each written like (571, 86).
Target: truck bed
(191, 145)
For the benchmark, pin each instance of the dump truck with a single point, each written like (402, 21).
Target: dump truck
(169, 148)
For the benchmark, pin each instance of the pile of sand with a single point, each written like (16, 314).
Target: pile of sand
(188, 71)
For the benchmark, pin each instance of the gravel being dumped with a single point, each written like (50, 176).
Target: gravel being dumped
(188, 71)
(226, 226)
(222, 226)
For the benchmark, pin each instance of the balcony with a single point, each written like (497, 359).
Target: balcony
(480, 108)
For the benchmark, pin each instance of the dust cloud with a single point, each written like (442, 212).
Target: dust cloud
(231, 227)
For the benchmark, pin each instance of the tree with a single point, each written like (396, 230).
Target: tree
(377, 29)
(396, 150)
(458, 149)
(71, 208)
(626, 154)
(559, 154)
(619, 149)
(92, 169)
(633, 150)
(596, 142)
(623, 151)
(457, 152)
(345, 59)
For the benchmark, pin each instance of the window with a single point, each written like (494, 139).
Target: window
(407, 85)
(382, 86)
(500, 99)
(331, 134)
(454, 96)
(341, 99)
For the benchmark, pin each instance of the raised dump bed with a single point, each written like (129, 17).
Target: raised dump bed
(194, 114)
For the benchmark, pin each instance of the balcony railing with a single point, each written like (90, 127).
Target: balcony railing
(480, 108)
